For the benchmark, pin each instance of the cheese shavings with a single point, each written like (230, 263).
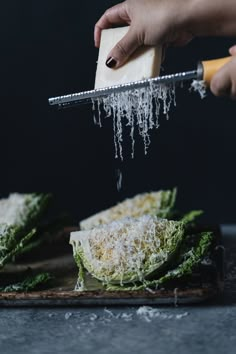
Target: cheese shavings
(199, 86)
(160, 203)
(149, 313)
(138, 110)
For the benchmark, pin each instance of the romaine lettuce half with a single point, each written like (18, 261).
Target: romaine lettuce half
(129, 250)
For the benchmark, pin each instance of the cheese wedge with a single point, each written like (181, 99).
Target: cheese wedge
(143, 64)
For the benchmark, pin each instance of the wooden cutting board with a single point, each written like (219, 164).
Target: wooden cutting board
(56, 258)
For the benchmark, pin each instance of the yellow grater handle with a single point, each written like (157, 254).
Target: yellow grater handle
(210, 67)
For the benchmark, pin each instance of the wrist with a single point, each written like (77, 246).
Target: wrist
(210, 18)
(185, 16)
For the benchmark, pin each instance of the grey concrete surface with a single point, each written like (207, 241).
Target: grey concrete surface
(205, 329)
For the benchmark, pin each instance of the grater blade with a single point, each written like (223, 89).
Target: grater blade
(87, 96)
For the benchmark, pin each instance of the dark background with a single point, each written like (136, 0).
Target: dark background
(47, 50)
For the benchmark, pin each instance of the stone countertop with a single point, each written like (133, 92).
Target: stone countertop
(208, 328)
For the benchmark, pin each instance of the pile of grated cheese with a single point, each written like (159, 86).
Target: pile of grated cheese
(13, 209)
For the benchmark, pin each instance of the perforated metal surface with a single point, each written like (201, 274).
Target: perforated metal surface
(86, 96)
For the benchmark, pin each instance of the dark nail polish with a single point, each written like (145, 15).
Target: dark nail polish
(111, 62)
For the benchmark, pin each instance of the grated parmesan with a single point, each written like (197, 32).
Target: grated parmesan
(145, 203)
(138, 110)
(14, 210)
(68, 315)
(149, 313)
(119, 179)
(199, 86)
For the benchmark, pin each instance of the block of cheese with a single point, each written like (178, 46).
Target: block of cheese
(143, 64)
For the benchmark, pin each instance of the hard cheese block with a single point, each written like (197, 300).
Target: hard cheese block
(143, 64)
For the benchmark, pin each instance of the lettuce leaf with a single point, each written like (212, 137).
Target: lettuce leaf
(19, 215)
(28, 284)
(168, 199)
(17, 249)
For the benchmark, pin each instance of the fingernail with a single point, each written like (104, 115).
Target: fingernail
(111, 62)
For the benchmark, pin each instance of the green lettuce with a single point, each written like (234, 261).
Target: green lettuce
(131, 250)
(190, 260)
(20, 215)
(20, 231)
(28, 284)
(17, 249)
(168, 199)
(139, 253)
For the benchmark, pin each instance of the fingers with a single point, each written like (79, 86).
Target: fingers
(232, 50)
(116, 15)
(123, 49)
(223, 82)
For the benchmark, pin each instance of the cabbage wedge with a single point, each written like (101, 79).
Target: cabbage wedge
(19, 215)
(159, 204)
(188, 262)
(127, 251)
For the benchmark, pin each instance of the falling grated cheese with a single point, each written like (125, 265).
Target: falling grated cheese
(138, 110)
(119, 180)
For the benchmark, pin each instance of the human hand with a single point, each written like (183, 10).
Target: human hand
(223, 82)
(165, 22)
(151, 22)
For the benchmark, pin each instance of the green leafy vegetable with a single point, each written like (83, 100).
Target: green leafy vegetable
(19, 215)
(159, 204)
(29, 284)
(140, 253)
(129, 250)
(190, 261)
(10, 254)
(191, 216)
(168, 199)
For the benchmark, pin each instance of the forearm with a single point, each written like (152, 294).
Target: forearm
(211, 17)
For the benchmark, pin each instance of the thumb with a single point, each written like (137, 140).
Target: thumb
(232, 50)
(122, 50)
(221, 81)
